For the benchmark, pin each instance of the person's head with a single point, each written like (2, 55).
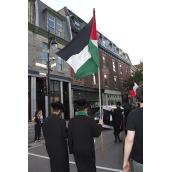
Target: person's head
(118, 104)
(139, 93)
(133, 107)
(58, 108)
(122, 104)
(38, 112)
(82, 105)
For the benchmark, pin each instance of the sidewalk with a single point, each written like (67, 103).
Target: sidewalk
(31, 132)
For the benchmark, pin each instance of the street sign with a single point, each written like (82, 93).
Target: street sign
(53, 65)
(41, 73)
(41, 65)
(129, 96)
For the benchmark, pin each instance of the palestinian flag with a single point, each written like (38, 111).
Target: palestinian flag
(82, 52)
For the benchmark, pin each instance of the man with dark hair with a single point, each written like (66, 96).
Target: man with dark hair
(55, 134)
(81, 132)
(134, 139)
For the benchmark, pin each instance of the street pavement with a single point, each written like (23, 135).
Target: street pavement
(38, 159)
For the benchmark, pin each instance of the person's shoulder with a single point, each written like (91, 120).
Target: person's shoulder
(136, 112)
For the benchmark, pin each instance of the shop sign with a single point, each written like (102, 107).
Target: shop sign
(129, 96)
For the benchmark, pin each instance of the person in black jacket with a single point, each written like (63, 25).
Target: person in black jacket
(117, 120)
(56, 134)
(81, 132)
(127, 110)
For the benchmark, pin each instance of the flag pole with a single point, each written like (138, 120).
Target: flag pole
(101, 115)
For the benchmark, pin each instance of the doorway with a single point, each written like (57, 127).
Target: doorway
(66, 100)
(40, 98)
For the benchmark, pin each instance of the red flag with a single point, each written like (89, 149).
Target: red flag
(132, 93)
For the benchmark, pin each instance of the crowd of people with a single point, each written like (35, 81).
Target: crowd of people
(129, 119)
(79, 136)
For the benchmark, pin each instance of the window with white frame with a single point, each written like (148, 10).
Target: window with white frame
(59, 64)
(51, 24)
(116, 82)
(131, 72)
(122, 83)
(104, 42)
(94, 78)
(113, 63)
(44, 53)
(120, 66)
(104, 61)
(106, 80)
(77, 24)
(127, 70)
(59, 28)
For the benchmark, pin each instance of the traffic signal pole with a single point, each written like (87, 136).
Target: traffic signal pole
(48, 65)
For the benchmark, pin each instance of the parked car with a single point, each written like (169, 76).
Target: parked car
(107, 117)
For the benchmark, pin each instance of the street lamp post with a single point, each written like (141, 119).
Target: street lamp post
(51, 41)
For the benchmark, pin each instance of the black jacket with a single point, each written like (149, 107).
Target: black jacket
(55, 134)
(126, 112)
(81, 131)
(117, 118)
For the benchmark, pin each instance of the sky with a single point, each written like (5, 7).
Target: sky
(118, 20)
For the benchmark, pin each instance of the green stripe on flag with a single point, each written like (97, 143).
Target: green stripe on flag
(88, 68)
(94, 52)
(91, 65)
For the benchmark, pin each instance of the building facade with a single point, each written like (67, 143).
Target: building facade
(42, 18)
(115, 65)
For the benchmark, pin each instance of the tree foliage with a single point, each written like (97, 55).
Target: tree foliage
(137, 78)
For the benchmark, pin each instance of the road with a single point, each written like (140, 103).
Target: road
(38, 159)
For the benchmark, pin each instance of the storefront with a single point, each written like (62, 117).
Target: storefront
(29, 98)
(60, 90)
(111, 97)
(126, 98)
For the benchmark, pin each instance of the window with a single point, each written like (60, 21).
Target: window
(113, 63)
(104, 42)
(104, 61)
(59, 64)
(51, 23)
(106, 80)
(120, 53)
(55, 22)
(28, 11)
(94, 78)
(127, 70)
(122, 83)
(59, 28)
(54, 91)
(120, 68)
(77, 24)
(113, 47)
(131, 72)
(44, 53)
(116, 83)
